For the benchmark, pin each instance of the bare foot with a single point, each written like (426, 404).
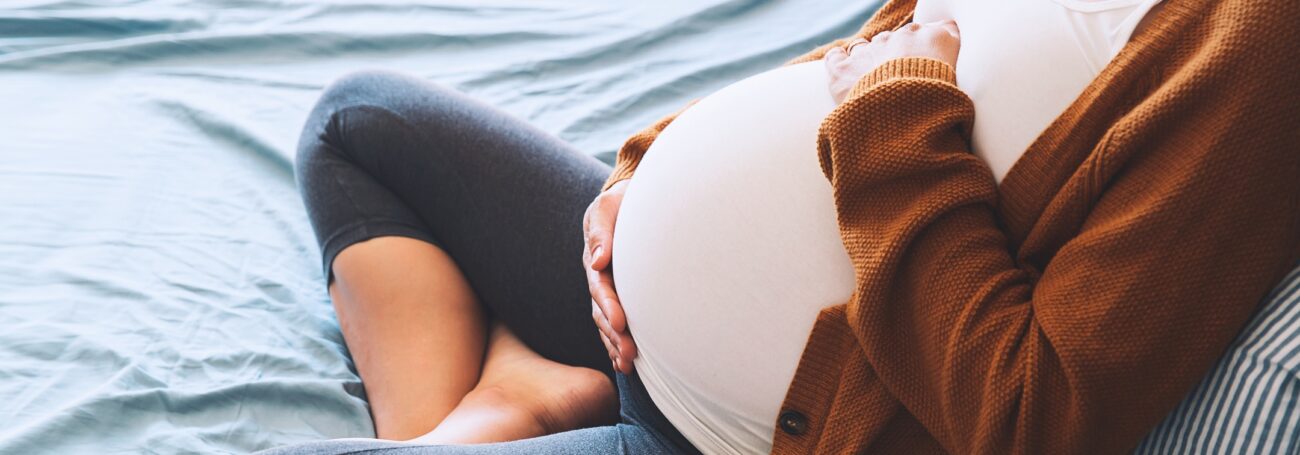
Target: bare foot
(523, 395)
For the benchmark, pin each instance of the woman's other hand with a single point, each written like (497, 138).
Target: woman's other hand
(937, 40)
(598, 230)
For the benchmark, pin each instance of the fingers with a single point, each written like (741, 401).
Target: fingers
(834, 56)
(947, 25)
(848, 50)
(621, 348)
(608, 314)
(950, 26)
(613, 354)
(602, 325)
(600, 235)
(938, 29)
(609, 349)
(597, 245)
(627, 352)
(601, 285)
(596, 236)
(598, 226)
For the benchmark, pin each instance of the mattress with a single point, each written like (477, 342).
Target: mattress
(159, 284)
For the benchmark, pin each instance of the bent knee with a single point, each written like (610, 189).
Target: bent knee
(353, 95)
(380, 90)
(367, 87)
(364, 114)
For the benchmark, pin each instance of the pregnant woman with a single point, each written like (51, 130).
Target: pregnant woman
(1014, 226)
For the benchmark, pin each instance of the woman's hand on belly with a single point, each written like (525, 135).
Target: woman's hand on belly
(937, 40)
(606, 310)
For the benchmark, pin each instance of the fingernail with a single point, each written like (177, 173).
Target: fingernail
(596, 253)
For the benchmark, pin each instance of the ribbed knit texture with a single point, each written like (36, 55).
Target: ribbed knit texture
(1071, 309)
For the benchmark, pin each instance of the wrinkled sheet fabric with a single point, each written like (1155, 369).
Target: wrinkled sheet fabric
(160, 290)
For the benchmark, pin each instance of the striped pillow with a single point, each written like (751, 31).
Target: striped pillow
(1249, 402)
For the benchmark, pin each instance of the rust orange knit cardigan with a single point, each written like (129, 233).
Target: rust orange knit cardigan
(1071, 308)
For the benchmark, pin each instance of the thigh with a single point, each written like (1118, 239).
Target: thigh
(386, 154)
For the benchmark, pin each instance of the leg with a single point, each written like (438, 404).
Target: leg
(641, 430)
(431, 207)
(414, 328)
(522, 395)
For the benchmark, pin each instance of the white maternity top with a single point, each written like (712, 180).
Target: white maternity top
(727, 245)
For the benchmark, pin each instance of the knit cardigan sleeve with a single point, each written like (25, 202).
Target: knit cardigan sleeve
(634, 148)
(1086, 355)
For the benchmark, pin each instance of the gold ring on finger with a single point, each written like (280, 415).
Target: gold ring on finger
(849, 50)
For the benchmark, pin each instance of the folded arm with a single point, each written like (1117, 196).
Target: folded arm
(1183, 224)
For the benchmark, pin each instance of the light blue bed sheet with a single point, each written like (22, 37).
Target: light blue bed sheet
(159, 284)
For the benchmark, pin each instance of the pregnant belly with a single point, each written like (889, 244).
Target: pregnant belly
(726, 249)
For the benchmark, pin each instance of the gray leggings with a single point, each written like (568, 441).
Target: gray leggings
(384, 154)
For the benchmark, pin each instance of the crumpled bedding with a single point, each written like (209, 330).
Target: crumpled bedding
(159, 284)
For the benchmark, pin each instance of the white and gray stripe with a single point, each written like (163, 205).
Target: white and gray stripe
(1250, 402)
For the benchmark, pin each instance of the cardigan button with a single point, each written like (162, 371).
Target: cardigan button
(793, 422)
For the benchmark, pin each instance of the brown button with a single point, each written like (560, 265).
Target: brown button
(793, 422)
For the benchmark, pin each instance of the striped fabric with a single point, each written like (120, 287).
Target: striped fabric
(1250, 402)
